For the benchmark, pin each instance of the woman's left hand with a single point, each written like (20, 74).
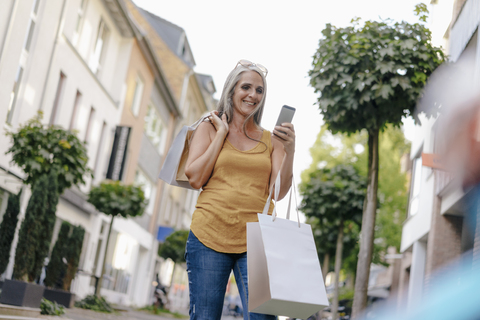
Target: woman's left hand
(286, 135)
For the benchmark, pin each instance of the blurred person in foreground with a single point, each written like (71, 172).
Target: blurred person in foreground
(235, 161)
(455, 295)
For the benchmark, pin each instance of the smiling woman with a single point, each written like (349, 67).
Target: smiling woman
(234, 160)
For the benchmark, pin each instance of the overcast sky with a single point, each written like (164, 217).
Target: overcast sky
(281, 35)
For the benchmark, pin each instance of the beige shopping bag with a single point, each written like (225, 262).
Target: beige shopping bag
(173, 169)
(284, 274)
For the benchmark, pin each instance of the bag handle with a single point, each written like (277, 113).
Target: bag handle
(277, 193)
(195, 125)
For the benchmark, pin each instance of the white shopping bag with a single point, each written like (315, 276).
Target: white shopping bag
(284, 274)
(173, 169)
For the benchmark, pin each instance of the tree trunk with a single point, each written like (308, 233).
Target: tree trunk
(325, 267)
(100, 280)
(326, 262)
(338, 264)
(368, 227)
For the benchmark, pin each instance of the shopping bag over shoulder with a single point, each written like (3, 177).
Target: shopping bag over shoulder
(173, 169)
(284, 274)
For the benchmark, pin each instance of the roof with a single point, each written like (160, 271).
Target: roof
(207, 82)
(174, 68)
(173, 35)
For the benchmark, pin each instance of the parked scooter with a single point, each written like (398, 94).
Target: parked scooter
(161, 297)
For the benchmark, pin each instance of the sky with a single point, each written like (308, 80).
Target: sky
(282, 36)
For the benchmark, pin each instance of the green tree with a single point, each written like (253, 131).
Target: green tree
(330, 150)
(7, 229)
(116, 199)
(335, 196)
(56, 268)
(174, 247)
(72, 255)
(39, 149)
(368, 76)
(36, 230)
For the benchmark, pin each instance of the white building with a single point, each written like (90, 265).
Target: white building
(70, 59)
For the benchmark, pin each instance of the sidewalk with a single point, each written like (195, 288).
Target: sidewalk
(83, 314)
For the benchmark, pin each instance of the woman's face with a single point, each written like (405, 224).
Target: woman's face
(248, 93)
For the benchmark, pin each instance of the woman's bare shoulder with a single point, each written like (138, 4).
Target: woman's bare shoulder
(205, 128)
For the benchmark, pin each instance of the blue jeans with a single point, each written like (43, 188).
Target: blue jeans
(208, 274)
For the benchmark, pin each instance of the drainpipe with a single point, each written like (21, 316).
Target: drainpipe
(58, 33)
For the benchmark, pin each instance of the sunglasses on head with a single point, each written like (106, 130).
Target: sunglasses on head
(248, 63)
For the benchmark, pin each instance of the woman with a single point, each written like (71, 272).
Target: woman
(236, 162)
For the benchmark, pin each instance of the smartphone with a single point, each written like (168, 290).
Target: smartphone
(286, 115)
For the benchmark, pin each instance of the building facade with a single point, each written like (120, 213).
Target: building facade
(91, 66)
(439, 232)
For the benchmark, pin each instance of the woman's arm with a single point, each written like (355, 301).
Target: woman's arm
(282, 157)
(204, 150)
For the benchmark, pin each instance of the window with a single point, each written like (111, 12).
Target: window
(416, 185)
(58, 96)
(23, 61)
(78, 26)
(137, 96)
(89, 124)
(14, 95)
(31, 27)
(100, 146)
(155, 129)
(148, 189)
(78, 98)
(99, 50)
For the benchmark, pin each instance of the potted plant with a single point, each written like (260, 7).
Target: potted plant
(33, 244)
(63, 265)
(52, 159)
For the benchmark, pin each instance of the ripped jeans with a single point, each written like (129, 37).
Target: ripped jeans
(208, 274)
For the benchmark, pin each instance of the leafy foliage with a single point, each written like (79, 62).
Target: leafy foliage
(329, 196)
(371, 75)
(51, 308)
(74, 249)
(36, 231)
(330, 150)
(7, 229)
(114, 198)
(334, 194)
(63, 263)
(46, 224)
(92, 302)
(39, 149)
(174, 246)
(56, 268)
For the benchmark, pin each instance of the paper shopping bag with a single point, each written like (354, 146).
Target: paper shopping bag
(173, 169)
(284, 274)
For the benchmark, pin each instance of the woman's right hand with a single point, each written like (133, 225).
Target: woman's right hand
(220, 124)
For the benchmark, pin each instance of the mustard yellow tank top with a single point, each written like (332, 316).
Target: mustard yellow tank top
(235, 193)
